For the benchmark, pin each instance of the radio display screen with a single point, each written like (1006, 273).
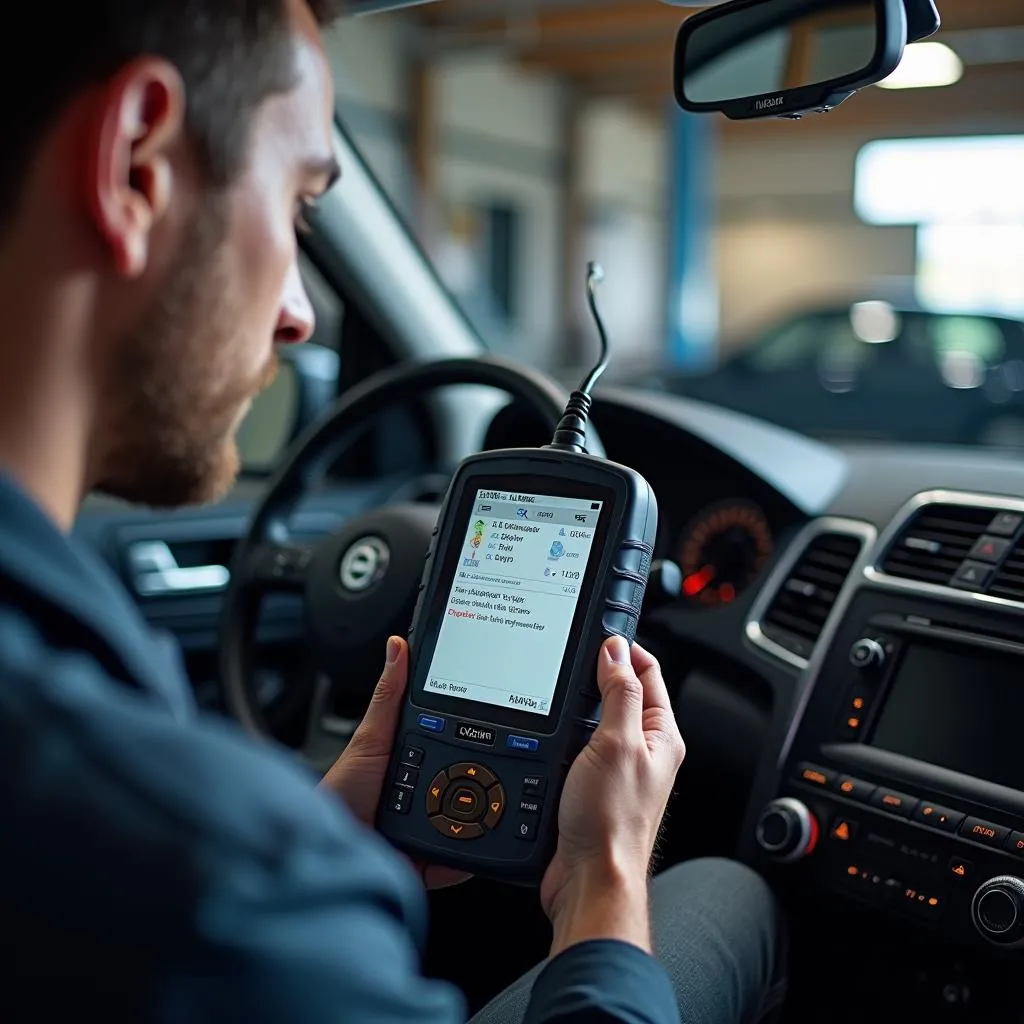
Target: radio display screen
(962, 711)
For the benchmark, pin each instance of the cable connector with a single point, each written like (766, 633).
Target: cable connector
(571, 433)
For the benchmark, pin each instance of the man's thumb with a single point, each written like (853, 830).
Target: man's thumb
(385, 705)
(622, 693)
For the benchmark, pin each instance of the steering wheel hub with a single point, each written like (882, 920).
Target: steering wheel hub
(362, 584)
(364, 564)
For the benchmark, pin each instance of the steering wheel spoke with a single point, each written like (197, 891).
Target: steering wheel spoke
(327, 734)
(279, 566)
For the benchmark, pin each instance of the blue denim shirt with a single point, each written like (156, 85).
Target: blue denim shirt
(158, 865)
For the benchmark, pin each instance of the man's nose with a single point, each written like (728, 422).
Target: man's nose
(296, 319)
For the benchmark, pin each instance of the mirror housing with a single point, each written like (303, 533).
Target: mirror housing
(922, 19)
(784, 58)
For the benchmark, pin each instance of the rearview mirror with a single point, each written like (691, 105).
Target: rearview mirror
(785, 58)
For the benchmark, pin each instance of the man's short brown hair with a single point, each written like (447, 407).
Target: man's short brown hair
(231, 54)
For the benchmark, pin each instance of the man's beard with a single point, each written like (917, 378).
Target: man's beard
(171, 436)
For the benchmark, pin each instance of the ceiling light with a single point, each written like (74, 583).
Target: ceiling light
(925, 66)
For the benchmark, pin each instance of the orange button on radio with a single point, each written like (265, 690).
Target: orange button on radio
(893, 802)
(854, 789)
(814, 775)
(960, 869)
(843, 830)
(984, 832)
(938, 817)
(1015, 843)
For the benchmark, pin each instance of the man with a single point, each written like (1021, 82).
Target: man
(156, 865)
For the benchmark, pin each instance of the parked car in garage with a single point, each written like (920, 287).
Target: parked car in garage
(876, 370)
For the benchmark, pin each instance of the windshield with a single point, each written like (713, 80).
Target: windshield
(856, 276)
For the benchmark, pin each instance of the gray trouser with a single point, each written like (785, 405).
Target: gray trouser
(718, 932)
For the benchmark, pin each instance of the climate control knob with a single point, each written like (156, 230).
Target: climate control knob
(787, 830)
(998, 910)
(867, 653)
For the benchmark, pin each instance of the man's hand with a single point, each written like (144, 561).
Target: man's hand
(612, 806)
(358, 775)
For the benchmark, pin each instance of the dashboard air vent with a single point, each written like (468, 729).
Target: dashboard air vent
(798, 611)
(1009, 580)
(935, 542)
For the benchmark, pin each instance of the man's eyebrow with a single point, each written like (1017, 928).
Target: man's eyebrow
(326, 168)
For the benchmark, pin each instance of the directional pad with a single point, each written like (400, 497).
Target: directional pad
(465, 800)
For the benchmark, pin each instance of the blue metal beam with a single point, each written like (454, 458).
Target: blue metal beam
(692, 316)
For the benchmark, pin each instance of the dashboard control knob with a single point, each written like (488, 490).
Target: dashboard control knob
(787, 830)
(998, 910)
(867, 653)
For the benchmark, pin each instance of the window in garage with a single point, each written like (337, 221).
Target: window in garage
(965, 196)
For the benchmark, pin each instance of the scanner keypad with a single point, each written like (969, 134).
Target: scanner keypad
(465, 800)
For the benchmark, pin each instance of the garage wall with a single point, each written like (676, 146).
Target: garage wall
(786, 236)
(624, 188)
(518, 160)
(515, 162)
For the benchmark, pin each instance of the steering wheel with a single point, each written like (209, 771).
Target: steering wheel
(359, 584)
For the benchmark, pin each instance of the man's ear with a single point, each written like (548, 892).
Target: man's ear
(139, 121)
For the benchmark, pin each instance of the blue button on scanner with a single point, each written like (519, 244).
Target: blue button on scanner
(431, 723)
(522, 743)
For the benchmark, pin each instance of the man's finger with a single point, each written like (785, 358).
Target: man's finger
(649, 673)
(622, 693)
(381, 718)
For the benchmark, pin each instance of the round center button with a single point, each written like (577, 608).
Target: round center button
(997, 911)
(465, 801)
(867, 653)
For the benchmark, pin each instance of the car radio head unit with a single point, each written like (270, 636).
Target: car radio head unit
(902, 782)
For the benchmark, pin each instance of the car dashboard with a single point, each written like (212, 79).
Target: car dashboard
(845, 651)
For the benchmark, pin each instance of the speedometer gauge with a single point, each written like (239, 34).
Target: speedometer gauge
(723, 550)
